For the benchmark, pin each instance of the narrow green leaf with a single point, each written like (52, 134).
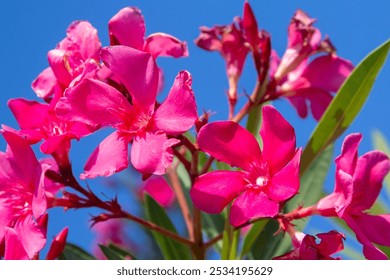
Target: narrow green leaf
(345, 105)
(110, 253)
(251, 236)
(212, 225)
(74, 252)
(122, 252)
(171, 249)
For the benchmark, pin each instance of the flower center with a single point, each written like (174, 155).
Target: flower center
(261, 181)
(258, 176)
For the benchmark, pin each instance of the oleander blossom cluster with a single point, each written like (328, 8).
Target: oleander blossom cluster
(212, 171)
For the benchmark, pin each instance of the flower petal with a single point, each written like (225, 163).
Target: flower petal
(44, 84)
(229, 142)
(252, 205)
(278, 139)
(161, 44)
(376, 228)
(13, 247)
(94, 103)
(285, 183)
(158, 188)
(331, 242)
(349, 153)
(178, 112)
(29, 114)
(327, 72)
(127, 28)
(137, 70)
(213, 191)
(152, 153)
(109, 157)
(371, 169)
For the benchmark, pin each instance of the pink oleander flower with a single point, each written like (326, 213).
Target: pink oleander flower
(22, 199)
(312, 84)
(267, 179)
(229, 41)
(136, 118)
(306, 247)
(127, 28)
(38, 121)
(74, 58)
(306, 83)
(358, 183)
(159, 189)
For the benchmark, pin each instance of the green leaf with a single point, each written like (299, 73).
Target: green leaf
(114, 252)
(251, 236)
(345, 105)
(212, 225)
(171, 249)
(74, 252)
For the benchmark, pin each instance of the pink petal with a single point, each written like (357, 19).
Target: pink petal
(31, 235)
(319, 101)
(94, 103)
(213, 191)
(127, 28)
(56, 61)
(161, 44)
(152, 153)
(278, 139)
(252, 205)
(24, 163)
(299, 103)
(327, 72)
(39, 203)
(137, 70)
(84, 36)
(250, 25)
(29, 114)
(371, 169)
(349, 153)
(6, 214)
(208, 38)
(109, 157)
(285, 183)
(158, 188)
(369, 250)
(178, 112)
(45, 83)
(13, 247)
(331, 243)
(229, 142)
(376, 228)
(56, 142)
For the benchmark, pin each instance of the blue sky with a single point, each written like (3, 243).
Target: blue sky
(31, 28)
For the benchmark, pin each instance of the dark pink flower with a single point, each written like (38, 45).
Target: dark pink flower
(358, 183)
(38, 121)
(302, 82)
(127, 28)
(75, 57)
(22, 199)
(135, 118)
(268, 177)
(306, 247)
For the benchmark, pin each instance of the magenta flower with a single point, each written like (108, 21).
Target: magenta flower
(267, 179)
(311, 84)
(127, 28)
(38, 121)
(159, 189)
(22, 199)
(358, 183)
(306, 247)
(136, 118)
(229, 41)
(75, 57)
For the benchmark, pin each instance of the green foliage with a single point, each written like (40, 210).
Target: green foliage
(74, 252)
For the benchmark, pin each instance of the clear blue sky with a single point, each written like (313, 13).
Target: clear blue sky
(31, 28)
